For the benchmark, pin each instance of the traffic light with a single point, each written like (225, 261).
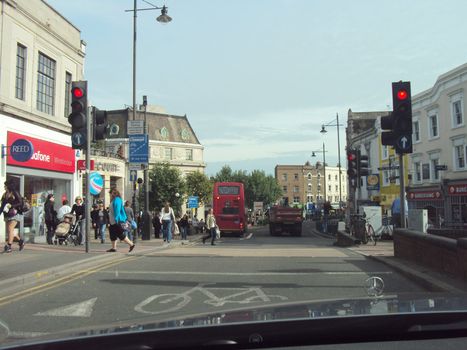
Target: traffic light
(402, 111)
(399, 121)
(352, 165)
(78, 116)
(99, 123)
(362, 165)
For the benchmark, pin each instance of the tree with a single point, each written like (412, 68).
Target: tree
(224, 175)
(198, 184)
(165, 182)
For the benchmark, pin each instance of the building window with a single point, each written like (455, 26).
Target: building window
(386, 178)
(459, 152)
(295, 176)
(309, 176)
(46, 84)
(336, 178)
(426, 171)
(457, 113)
(67, 93)
(416, 131)
(295, 189)
(385, 152)
(319, 175)
(336, 198)
(337, 188)
(284, 177)
(329, 188)
(168, 153)
(296, 199)
(418, 171)
(189, 154)
(284, 188)
(433, 121)
(329, 177)
(20, 71)
(434, 172)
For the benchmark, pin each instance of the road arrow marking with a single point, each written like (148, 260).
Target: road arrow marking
(82, 309)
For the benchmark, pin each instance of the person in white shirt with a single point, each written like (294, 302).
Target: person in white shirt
(64, 209)
(168, 219)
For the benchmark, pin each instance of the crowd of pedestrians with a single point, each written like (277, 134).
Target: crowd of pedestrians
(118, 218)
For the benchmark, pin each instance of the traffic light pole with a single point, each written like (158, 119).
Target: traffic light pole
(402, 190)
(88, 203)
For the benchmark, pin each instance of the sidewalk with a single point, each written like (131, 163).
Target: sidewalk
(40, 262)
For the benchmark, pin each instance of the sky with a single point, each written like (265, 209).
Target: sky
(258, 78)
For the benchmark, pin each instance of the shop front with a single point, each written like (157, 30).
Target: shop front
(457, 203)
(48, 170)
(431, 199)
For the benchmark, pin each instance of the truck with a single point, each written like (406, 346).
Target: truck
(285, 219)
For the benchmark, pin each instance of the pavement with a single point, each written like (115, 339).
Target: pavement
(429, 279)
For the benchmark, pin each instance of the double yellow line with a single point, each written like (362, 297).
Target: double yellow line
(61, 281)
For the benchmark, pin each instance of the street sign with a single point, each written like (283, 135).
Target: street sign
(139, 149)
(193, 202)
(393, 167)
(96, 183)
(404, 143)
(135, 127)
(133, 175)
(441, 167)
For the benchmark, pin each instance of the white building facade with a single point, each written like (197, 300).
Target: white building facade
(41, 53)
(439, 158)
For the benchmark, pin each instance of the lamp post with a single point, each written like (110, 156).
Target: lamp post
(163, 18)
(313, 154)
(323, 131)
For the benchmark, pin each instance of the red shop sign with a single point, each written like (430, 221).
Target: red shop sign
(458, 190)
(47, 155)
(425, 195)
(82, 165)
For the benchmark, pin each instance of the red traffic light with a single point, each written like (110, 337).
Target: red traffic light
(402, 94)
(351, 156)
(77, 92)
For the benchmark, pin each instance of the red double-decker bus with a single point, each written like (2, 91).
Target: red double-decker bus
(229, 206)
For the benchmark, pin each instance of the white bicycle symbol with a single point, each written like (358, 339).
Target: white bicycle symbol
(252, 294)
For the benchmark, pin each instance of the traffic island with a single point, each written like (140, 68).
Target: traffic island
(343, 239)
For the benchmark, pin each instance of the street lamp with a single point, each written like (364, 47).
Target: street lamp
(323, 131)
(163, 18)
(313, 154)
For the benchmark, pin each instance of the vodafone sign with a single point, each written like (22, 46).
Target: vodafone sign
(46, 155)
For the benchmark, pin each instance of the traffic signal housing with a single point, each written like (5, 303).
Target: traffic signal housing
(399, 122)
(99, 123)
(362, 165)
(78, 115)
(352, 164)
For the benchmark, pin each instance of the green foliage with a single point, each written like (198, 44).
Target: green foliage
(198, 184)
(165, 181)
(259, 187)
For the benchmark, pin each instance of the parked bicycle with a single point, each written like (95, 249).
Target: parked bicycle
(360, 227)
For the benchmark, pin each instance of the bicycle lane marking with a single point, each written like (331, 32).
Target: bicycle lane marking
(213, 300)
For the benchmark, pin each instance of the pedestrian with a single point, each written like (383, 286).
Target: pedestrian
(183, 225)
(11, 207)
(156, 223)
(201, 226)
(131, 218)
(101, 221)
(50, 217)
(168, 218)
(195, 224)
(79, 210)
(211, 227)
(326, 210)
(64, 209)
(118, 221)
(94, 218)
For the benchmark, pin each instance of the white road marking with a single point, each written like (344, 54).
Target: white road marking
(81, 309)
(207, 273)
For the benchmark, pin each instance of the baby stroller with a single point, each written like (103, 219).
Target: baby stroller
(67, 231)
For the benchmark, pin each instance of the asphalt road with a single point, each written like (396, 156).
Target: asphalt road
(193, 279)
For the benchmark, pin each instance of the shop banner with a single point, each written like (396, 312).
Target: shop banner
(425, 195)
(47, 155)
(458, 190)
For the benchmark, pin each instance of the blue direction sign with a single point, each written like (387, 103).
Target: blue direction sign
(133, 175)
(404, 143)
(193, 202)
(139, 148)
